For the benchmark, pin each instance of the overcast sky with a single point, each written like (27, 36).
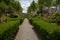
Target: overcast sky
(25, 4)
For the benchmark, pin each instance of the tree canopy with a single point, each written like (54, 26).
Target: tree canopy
(13, 4)
(32, 7)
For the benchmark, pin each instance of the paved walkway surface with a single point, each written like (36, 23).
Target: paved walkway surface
(26, 32)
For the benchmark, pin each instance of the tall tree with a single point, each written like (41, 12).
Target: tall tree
(33, 7)
(41, 4)
(49, 3)
(29, 10)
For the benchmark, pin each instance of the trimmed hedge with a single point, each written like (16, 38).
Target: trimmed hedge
(8, 29)
(46, 30)
(12, 19)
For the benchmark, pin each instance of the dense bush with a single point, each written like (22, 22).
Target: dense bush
(8, 29)
(46, 30)
(14, 16)
(13, 19)
(55, 18)
(55, 35)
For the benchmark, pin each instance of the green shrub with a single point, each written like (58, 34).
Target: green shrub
(55, 18)
(55, 35)
(8, 29)
(14, 16)
(46, 30)
(13, 19)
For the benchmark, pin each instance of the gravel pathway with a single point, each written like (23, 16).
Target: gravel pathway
(26, 32)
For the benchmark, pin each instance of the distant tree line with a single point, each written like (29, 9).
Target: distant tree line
(48, 9)
(40, 5)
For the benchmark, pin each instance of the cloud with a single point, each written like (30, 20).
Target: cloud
(25, 4)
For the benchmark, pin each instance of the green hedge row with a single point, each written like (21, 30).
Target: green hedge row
(13, 19)
(46, 30)
(8, 29)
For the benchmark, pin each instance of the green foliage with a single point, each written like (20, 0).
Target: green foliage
(10, 7)
(12, 4)
(29, 10)
(40, 1)
(17, 6)
(32, 7)
(57, 2)
(46, 30)
(49, 3)
(55, 35)
(42, 4)
(55, 18)
(2, 6)
(8, 29)
(13, 19)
